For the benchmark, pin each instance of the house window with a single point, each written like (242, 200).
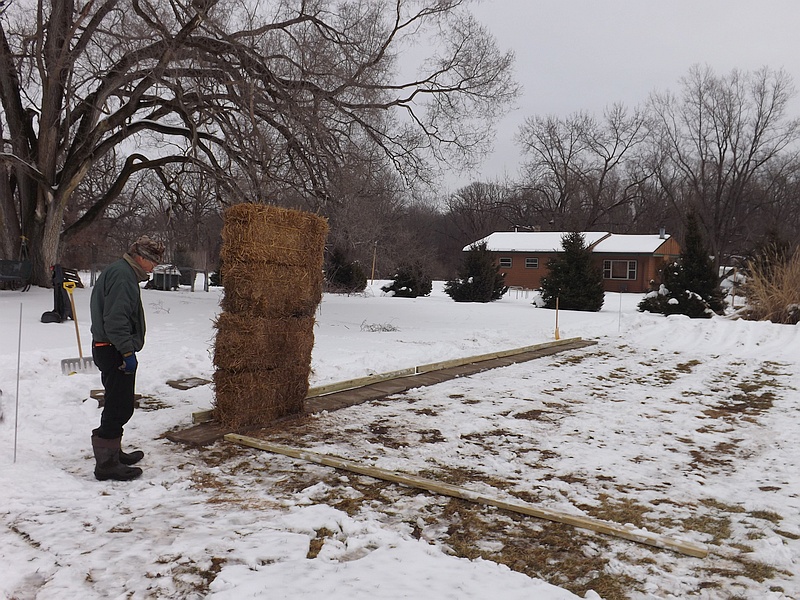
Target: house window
(531, 263)
(505, 262)
(619, 269)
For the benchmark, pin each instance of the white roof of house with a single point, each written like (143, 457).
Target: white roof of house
(550, 241)
(531, 241)
(630, 244)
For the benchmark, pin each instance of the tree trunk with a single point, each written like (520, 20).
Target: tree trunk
(44, 238)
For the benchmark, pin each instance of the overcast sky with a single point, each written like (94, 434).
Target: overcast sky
(574, 55)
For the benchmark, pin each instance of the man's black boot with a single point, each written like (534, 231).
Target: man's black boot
(130, 458)
(108, 465)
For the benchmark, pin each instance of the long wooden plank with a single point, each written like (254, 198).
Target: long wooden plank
(607, 527)
(457, 362)
(204, 416)
(358, 382)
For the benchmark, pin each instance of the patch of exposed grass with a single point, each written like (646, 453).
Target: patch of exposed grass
(716, 526)
(787, 534)
(618, 510)
(149, 403)
(766, 515)
(551, 551)
(687, 366)
(619, 373)
(666, 376)
(573, 359)
(431, 436)
(314, 547)
(773, 369)
(721, 506)
(383, 434)
(757, 571)
(189, 577)
(535, 415)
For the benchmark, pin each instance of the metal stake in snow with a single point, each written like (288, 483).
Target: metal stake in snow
(16, 406)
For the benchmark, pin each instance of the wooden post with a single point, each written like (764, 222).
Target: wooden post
(631, 533)
(374, 257)
(558, 336)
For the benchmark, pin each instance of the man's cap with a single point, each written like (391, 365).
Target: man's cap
(147, 248)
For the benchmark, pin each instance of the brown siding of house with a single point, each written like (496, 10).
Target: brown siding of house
(648, 267)
(518, 275)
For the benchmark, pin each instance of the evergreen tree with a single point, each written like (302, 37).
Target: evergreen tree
(573, 277)
(691, 286)
(344, 275)
(479, 279)
(698, 268)
(410, 280)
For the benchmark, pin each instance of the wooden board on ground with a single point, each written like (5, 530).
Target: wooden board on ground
(187, 383)
(199, 435)
(356, 391)
(627, 532)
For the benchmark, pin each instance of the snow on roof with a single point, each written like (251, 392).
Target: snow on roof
(550, 241)
(631, 244)
(531, 241)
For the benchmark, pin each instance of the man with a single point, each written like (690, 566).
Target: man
(118, 330)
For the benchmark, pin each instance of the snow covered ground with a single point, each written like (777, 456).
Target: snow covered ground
(685, 427)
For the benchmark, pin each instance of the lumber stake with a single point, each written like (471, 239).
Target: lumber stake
(631, 533)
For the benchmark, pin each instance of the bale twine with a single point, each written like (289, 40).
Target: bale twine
(272, 275)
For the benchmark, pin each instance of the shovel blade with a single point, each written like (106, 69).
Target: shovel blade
(71, 366)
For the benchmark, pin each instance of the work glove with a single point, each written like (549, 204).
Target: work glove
(129, 363)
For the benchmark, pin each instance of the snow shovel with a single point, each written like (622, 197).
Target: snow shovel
(70, 366)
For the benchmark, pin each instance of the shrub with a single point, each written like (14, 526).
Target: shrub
(410, 280)
(691, 286)
(479, 279)
(343, 275)
(773, 289)
(573, 277)
(672, 299)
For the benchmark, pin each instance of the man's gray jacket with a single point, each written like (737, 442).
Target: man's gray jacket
(116, 306)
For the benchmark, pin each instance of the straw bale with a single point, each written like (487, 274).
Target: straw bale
(271, 291)
(258, 233)
(257, 399)
(245, 343)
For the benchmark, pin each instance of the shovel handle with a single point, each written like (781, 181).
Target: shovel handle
(69, 286)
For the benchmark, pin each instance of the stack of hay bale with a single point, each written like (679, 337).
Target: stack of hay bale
(272, 274)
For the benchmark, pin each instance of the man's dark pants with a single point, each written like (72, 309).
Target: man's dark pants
(119, 392)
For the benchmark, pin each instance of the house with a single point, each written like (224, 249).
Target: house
(629, 262)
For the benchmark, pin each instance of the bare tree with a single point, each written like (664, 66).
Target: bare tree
(557, 149)
(715, 141)
(577, 174)
(477, 210)
(261, 96)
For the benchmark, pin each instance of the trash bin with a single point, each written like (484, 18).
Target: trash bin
(166, 277)
(187, 275)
